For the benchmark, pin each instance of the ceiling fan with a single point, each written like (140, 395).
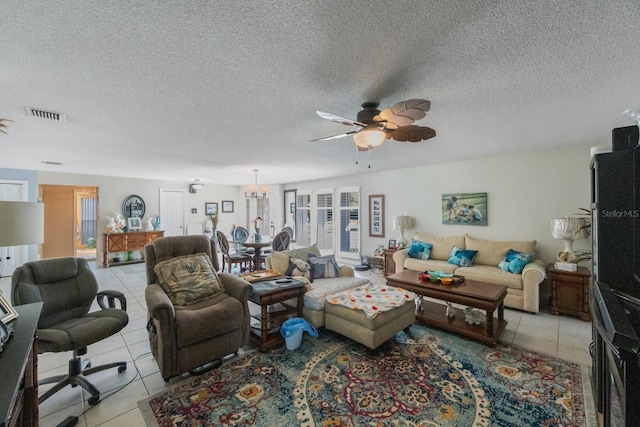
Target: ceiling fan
(374, 126)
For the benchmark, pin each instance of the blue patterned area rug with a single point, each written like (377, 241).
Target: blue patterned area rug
(424, 377)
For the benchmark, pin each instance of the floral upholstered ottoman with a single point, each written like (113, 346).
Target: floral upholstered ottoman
(370, 314)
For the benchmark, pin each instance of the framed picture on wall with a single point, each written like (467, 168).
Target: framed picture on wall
(464, 208)
(227, 206)
(376, 215)
(210, 208)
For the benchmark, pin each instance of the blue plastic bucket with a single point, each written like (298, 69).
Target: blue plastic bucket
(293, 329)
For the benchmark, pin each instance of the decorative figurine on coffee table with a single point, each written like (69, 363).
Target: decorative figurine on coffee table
(450, 311)
(418, 302)
(472, 316)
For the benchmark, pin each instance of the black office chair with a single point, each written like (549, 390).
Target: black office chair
(67, 287)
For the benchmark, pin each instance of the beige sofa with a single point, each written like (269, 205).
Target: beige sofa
(315, 297)
(523, 290)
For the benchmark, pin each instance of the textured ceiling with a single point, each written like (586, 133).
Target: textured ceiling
(214, 89)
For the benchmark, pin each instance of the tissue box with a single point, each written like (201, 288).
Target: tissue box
(566, 266)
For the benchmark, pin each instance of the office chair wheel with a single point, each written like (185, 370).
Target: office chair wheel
(94, 400)
(121, 369)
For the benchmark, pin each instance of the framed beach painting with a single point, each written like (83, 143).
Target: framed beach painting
(376, 215)
(464, 208)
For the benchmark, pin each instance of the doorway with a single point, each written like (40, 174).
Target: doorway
(63, 219)
(172, 211)
(86, 220)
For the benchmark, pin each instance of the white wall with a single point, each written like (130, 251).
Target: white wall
(112, 191)
(525, 191)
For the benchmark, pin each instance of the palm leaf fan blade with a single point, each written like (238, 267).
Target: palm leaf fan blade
(405, 113)
(413, 133)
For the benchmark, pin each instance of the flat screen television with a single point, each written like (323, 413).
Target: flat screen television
(616, 216)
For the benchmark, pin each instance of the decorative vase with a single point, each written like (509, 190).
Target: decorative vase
(257, 238)
(156, 224)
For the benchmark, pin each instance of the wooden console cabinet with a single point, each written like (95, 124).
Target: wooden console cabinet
(125, 242)
(19, 370)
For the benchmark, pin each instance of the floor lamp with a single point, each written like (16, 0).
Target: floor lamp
(21, 223)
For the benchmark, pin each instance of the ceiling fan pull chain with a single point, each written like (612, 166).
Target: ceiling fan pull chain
(356, 154)
(369, 150)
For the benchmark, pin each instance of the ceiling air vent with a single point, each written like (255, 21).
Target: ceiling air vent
(45, 115)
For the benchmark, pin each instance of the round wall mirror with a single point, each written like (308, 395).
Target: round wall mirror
(133, 207)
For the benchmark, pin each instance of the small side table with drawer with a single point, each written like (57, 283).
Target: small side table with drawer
(570, 292)
(389, 263)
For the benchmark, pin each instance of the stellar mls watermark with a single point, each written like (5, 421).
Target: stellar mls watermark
(630, 213)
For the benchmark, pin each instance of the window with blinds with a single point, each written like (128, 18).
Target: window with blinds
(324, 223)
(349, 222)
(303, 219)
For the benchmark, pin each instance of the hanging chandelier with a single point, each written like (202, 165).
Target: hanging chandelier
(254, 191)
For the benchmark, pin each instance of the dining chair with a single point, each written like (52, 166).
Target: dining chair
(239, 236)
(280, 242)
(290, 231)
(241, 258)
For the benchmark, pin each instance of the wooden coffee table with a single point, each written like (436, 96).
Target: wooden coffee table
(481, 295)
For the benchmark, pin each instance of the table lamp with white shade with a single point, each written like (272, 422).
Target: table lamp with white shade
(569, 229)
(402, 223)
(21, 223)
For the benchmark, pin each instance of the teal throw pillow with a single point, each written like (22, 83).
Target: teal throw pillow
(515, 261)
(323, 267)
(462, 257)
(419, 250)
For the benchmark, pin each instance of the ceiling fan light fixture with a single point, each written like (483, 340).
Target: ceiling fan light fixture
(369, 137)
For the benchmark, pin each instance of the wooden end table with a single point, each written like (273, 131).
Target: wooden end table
(485, 296)
(389, 263)
(570, 292)
(268, 294)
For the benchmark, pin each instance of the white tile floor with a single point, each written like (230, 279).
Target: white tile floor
(562, 336)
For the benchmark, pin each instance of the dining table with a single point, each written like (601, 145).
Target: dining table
(264, 242)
